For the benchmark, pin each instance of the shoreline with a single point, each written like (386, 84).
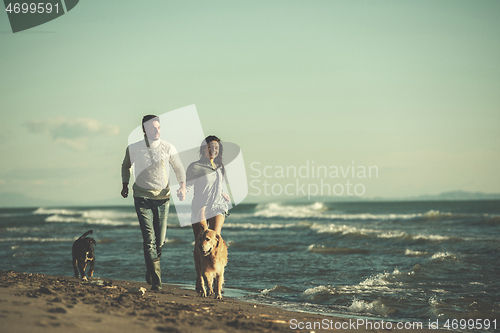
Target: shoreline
(46, 303)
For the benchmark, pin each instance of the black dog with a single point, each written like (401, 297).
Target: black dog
(83, 251)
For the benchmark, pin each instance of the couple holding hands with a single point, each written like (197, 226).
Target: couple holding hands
(151, 158)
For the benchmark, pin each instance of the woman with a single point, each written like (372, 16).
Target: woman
(206, 176)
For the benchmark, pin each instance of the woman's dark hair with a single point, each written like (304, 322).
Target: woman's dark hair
(218, 159)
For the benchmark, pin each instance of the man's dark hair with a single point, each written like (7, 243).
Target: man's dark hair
(148, 118)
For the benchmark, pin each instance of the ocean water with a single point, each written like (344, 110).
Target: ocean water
(413, 261)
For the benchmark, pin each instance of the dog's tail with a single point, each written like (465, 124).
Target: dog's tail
(87, 233)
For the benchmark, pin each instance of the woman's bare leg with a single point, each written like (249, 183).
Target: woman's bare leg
(215, 223)
(197, 227)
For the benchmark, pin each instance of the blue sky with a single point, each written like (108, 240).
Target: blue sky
(410, 87)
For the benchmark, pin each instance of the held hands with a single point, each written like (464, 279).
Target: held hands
(181, 192)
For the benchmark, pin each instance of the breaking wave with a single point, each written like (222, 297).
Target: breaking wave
(381, 279)
(274, 210)
(278, 289)
(411, 253)
(334, 250)
(54, 211)
(86, 220)
(93, 216)
(440, 256)
(319, 210)
(36, 239)
(377, 307)
(258, 225)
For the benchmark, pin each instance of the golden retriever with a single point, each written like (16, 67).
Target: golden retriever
(210, 259)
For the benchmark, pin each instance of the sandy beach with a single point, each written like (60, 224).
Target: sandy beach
(43, 303)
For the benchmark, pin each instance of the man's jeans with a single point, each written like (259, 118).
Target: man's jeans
(152, 216)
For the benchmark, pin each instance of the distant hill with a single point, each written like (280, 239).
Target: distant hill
(445, 196)
(458, 195)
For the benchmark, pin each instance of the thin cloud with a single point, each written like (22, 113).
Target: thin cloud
(74, 133)
(5, 137)
(44, 173)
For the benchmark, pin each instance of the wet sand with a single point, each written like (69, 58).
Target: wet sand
(45, 303)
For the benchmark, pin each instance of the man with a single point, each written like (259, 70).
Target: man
(151, 158)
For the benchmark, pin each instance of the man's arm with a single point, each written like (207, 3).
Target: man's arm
(126, 165)
(180, 173)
